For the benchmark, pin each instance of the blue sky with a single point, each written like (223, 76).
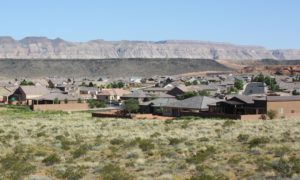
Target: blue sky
(269, 23)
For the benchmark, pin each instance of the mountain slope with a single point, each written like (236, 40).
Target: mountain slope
(44, 48)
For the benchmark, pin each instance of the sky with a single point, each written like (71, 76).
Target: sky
(269, 23)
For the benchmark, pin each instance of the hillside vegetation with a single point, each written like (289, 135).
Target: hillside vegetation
(105, 67)
(73, 146)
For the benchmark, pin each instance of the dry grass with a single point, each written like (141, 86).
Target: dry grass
(77, 146)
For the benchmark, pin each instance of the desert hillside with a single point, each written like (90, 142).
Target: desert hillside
(112, 67)
(55, 145)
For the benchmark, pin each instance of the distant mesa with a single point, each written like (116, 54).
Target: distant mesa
(44, 48)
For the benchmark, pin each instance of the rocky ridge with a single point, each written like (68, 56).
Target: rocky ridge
(44, 48)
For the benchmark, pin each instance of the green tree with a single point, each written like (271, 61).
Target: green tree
(79, 100)
(66, 101)
(295, 93)
(239, 84)
(187, 95)
(91, 84)
(26, 83)
(203, 93)
(56, 101)
(131, 105)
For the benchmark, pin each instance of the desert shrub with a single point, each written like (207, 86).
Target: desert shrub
(114, 172)
(117, 141)
(71, 173)
(228, 123)
(154, 135)
(51, 159)
(146, 144)
(65, 144)
(281, 151)
(169, 121)
(258, 141)
(283, 167)
(40, 134)
(206, 173)
(263, 163)
(15, 166)
(203, 139)
(234, 160)
(272, 114)
(201, 155)
(175, 141)
(81, 151)
(98, 140)
(185, 124)
(243, 137)
(295, 162)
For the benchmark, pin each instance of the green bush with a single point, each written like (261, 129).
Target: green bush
(96, 103)
(51, 159)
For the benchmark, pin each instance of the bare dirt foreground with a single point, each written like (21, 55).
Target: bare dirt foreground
(36, 145)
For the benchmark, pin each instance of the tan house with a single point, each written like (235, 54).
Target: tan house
(111, 94)
(284, 105)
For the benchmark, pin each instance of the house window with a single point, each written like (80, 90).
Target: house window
(281, 110)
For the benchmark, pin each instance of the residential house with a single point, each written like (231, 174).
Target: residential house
(190, 106)
(139, 95)
(154, 106)
(25, 94)
(88, 92)
(111, 95)
(240, 105)
(5, 92)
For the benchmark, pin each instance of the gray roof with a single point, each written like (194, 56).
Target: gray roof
(84, 88)
(245, 99)
(59, 96)
(255, 88)
(35, 90)
(283, 98)
(197, 102)
(159, 102)
(136, 94)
